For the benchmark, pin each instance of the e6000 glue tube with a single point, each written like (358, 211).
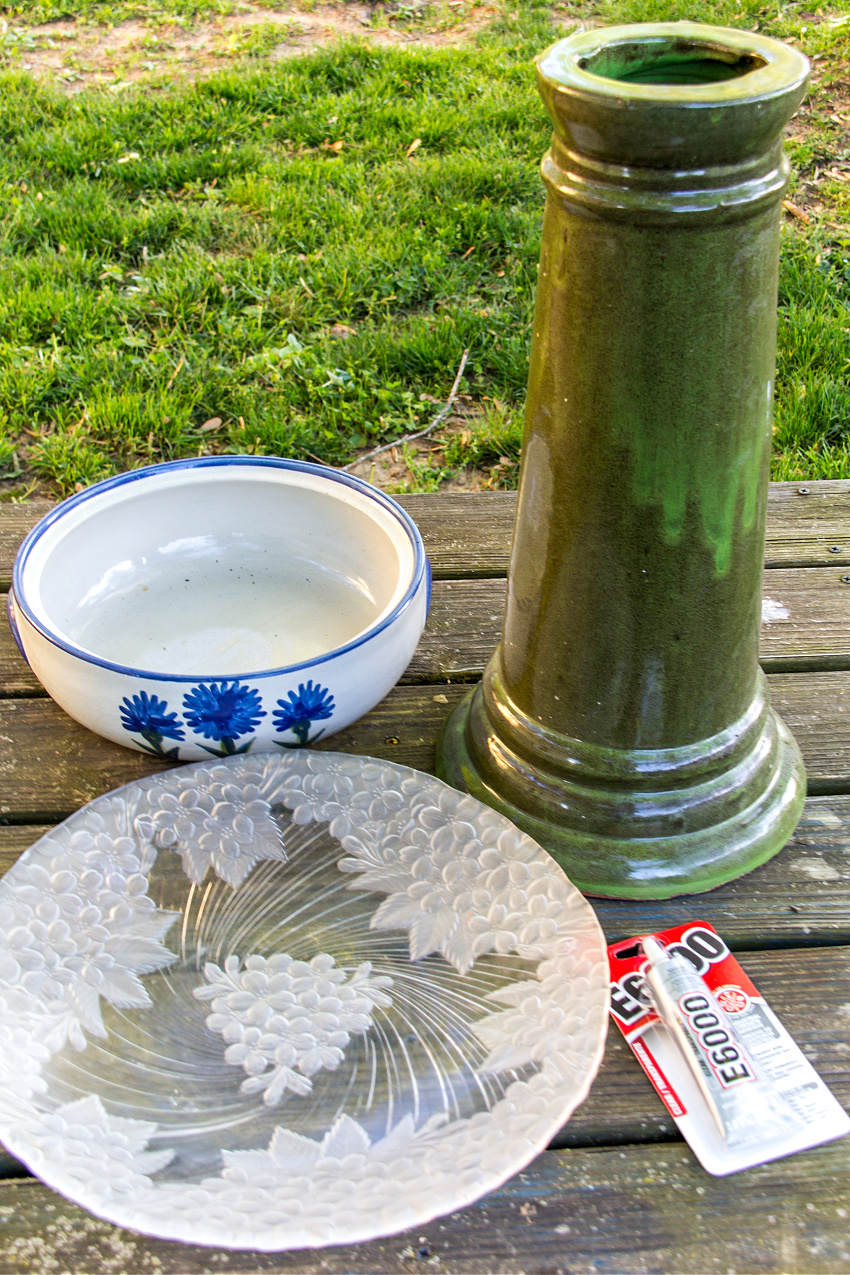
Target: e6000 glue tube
(743, 1105)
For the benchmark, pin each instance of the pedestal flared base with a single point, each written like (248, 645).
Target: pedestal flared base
(632, 824)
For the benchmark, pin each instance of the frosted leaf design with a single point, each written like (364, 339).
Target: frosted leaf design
(291, 1016)
(213, 818)
(82, 1142)
(452, 1020)
(294, 1153)
(76, 924)
(348, 1187)
(460, 888)
(542, 1011)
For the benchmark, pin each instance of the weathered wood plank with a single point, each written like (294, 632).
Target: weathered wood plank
(806, 626)
(15, 522)
(805, 619)
(465, 615)
(646, 1210)
(683, 1221)
(16, 677)
(800, 898)
(464, 624)
(470, 534)
(808, 524)
(49, 765)
(465, 534)
(816, 706)
(16, 838)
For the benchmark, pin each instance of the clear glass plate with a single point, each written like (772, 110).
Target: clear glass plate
(289, 1000)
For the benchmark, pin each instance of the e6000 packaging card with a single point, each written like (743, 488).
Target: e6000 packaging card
(739, 1051)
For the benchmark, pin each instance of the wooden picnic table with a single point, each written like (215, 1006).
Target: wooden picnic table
(618, 1191)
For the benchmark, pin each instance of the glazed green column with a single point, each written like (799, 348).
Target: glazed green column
(623, 720)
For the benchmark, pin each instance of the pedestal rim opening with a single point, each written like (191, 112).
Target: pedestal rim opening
(762, 67)
(666, 60)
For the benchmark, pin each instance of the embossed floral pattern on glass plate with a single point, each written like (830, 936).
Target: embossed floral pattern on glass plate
(281, 1001)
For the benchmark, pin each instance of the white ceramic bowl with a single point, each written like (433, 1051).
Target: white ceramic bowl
(212, 606)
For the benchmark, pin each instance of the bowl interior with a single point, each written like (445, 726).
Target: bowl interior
(218, 571)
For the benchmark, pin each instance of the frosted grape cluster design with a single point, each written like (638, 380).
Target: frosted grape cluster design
(216, 819)
(87, 1143)
(293, 1017)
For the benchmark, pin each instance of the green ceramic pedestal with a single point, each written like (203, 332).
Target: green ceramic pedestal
(623, 720)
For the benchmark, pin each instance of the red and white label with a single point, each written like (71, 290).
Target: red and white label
(732, 999)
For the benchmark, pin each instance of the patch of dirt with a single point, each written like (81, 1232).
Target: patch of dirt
(421, 463)
(391, 472)
(823, 121)
(418, 465)
(74, 55)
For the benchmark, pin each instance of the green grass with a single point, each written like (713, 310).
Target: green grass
(175, 255)
(812, 429)
(111, 12)
(216, 228)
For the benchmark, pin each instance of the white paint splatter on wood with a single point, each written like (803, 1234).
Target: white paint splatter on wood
(816, 868)
(771, 611)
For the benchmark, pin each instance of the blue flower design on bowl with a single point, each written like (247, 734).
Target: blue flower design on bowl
(223, 711)
(148, 716)
(311, 704)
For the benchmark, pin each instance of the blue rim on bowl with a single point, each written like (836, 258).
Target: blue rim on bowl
(421, 567)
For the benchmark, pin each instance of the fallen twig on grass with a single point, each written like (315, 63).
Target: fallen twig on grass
(408, 438)
(173, 376)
